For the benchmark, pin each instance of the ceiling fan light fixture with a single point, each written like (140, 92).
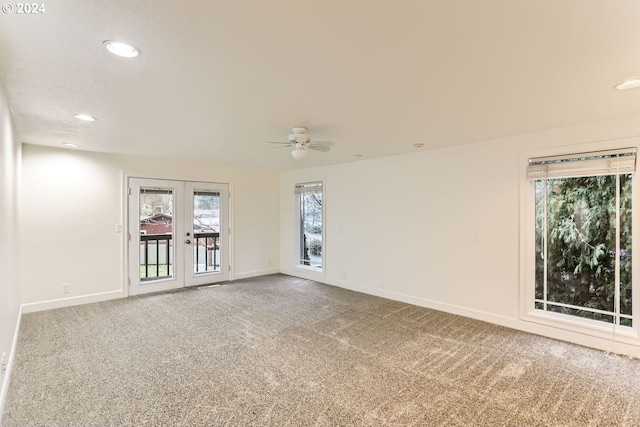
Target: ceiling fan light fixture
(299, 153)
(300, 143)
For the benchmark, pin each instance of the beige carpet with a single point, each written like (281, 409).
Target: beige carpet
(280, 351)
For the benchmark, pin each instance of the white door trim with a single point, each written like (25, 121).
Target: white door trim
(132, 230)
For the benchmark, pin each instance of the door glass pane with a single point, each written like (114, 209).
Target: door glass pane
(206, 232)
(156, 233)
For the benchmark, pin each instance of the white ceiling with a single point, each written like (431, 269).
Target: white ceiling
(219, 78)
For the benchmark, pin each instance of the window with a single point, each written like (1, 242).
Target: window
(309, 225)
(583, 235)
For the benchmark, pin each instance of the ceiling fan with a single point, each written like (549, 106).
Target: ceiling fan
(301, 143)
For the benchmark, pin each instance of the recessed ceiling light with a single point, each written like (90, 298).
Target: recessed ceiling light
(418, 145)
(628, 84)
(70, 144)
(357, 156)
(85, 117)
(121, 49)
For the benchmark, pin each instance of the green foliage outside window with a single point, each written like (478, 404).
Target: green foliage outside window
(581, 245)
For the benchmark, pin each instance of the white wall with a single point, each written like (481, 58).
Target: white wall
(9, 271)
(438, 228)
(72, 201)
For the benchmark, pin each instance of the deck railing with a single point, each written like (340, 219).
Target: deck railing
(211, 241)
(153, 248)
(156, 254)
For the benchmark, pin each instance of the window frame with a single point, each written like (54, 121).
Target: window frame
(298, 238)
(527, 311)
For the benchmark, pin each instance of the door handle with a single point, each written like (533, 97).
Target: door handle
(188, 242)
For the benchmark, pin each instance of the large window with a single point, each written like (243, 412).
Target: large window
(309, 224)
(583, 235)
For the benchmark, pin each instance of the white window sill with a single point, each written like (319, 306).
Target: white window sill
(582, 326)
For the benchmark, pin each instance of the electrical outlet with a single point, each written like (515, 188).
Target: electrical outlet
(65, 288)
(3, 364)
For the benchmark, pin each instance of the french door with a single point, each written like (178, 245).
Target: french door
(178, 234)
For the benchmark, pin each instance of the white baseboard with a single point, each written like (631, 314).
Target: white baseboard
(309, 274)
(256, 273)
(68, 302)
(7, 375)
(33, 307)
(425, 302)
(623, 346)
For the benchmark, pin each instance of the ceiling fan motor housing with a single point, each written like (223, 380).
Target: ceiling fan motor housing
(299, 135)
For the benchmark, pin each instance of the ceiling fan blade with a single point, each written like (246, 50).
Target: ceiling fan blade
(318, 147)
(299, 141)
(325, 143)
(275, 148)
